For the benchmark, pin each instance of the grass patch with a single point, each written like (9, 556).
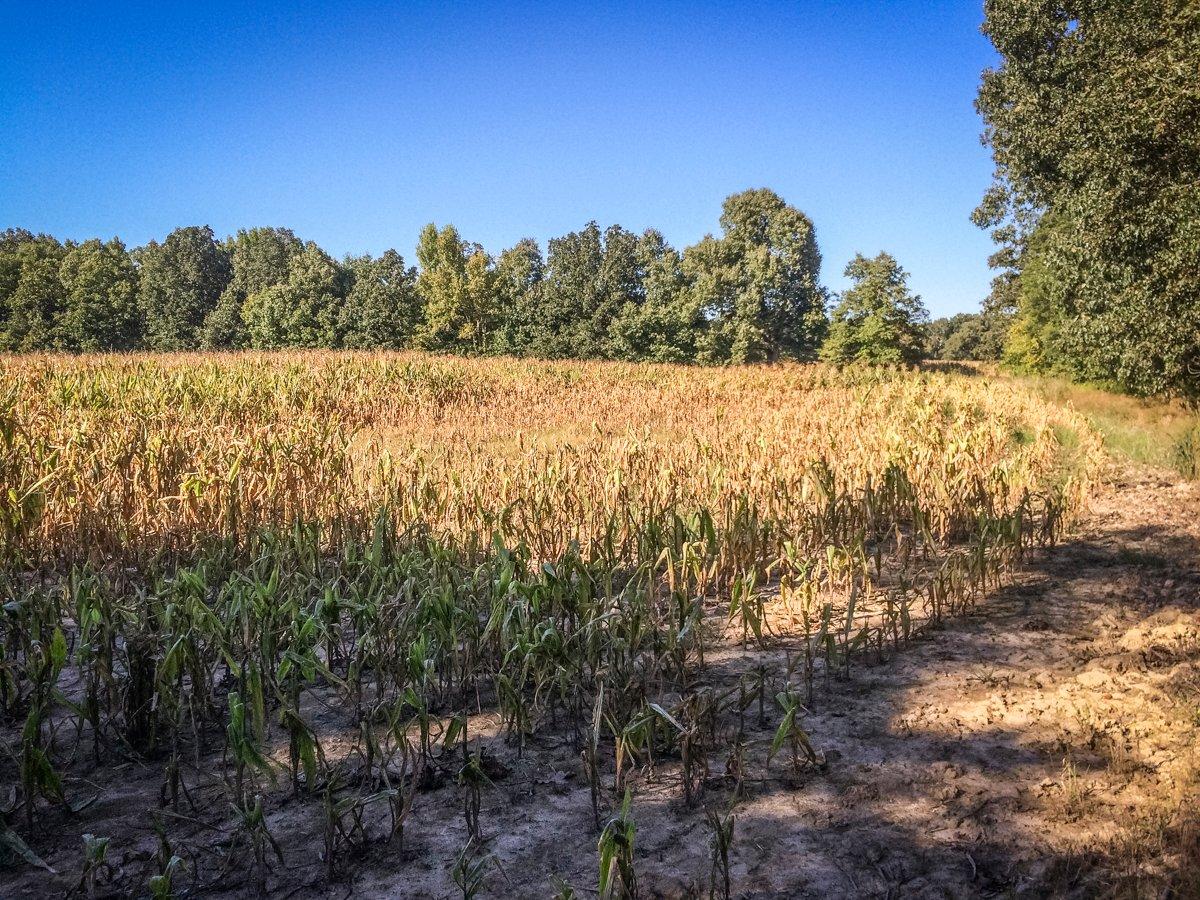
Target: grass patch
(1155, 433)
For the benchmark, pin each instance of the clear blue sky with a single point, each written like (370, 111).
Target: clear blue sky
(354, 124)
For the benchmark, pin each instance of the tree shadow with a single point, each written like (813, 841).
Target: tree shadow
(928, 796)
(956, 367)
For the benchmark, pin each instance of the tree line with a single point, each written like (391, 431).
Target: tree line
(751, 294)
(1093, 118)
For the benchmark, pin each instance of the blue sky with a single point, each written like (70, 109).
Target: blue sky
(354, 123)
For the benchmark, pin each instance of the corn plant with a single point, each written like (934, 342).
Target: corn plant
(790, 734)
(45, 661)
(162, 884)
(252, 826)
(720, 842)
(469, 871)
(221, 544)
(247, 758)
(96, 867)
(617, 876)
(473, 780)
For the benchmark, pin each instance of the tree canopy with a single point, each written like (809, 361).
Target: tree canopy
(749, 294)
(301, 311)
(382, 309)
(970, 336)
(32, 297)
(758, 285)
(260, 258)
(99, 298)
(1093, 117)
(180, 282)
(878, 320)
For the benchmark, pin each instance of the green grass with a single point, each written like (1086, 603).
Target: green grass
(1163, 434)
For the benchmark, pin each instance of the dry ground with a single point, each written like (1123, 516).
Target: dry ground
(1044, 746)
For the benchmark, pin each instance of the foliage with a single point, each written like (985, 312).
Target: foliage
(260, 258)
(752, 294)
(457, 283)
(971, 336)
(618, 878)
(757, 285)
(333, 564)
(301, 312)
(660, 323)
(31, 294)
(1093, 118)
(383, 308)
(180, 283)
(519, 273)
(99, 284)
(590, 277)
(878, 320)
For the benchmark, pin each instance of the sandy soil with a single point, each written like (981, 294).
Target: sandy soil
(1046, 745)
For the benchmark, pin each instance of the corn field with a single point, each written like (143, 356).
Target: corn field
(346, 580)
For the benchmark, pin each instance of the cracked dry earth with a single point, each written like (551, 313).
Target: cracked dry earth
(1045, 745)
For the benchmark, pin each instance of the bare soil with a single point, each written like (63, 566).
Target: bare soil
(1045, 745)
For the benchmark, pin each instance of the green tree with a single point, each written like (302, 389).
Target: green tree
(180, 283)
(758, 285)
(11, 239)
(660, 323)
(519, 273)
(99, 311)
(301, 312)
(733, 330)
(32, 296)
(457, 283)
(974, 336)
(383, 308)
(878, 320)
(1093, 118)
(590, 277)
(260, 258)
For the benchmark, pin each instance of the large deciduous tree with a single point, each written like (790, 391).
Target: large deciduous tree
(457, 286)
(303, 310)
(1093, 117)
(260, 258)
(73, 297)
(180, 283)
(99, 283)
(758, 285)
(660, 322)
(11, 239)
(383, 308)
(972, 336)
(877, 320)
(32, 296)
(519, 273)
(590, 276)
